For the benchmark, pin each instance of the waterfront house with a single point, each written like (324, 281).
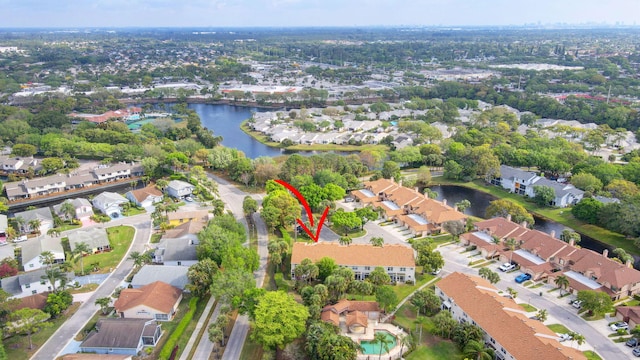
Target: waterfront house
(544, 257)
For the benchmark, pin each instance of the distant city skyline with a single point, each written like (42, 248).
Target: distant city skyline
(300, 13)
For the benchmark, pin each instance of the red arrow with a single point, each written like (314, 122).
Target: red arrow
(307, 208)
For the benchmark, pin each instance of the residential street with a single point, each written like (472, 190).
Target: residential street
(72, 326)
(559, 310)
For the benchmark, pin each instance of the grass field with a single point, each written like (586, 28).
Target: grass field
(120, 238)
(17, 346)
(558, 328)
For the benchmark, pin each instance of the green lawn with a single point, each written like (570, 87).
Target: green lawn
(558, 328)
(186, 335)
(134, 211)
(251, 350)
(562, 216)
(155, 238)
(66, 227)
(591, 355)
(443, 350)
(169, 326)
(528, 308)
(17, 346)
(120, 238)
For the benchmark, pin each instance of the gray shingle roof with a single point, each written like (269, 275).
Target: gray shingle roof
(41, 214)
(173, 275)
(94, 237)
(116, 333)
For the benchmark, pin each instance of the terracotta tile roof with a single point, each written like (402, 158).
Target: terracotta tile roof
(501, 318)
(351, 305)
(330, 316)
(81, 356)
(190, 227)
(355, 255)
(380, 185)
(144, 193)
(606, 270)
(357, 318)
(157, 295)
(194, 214)
(630, 312)
(35, 301)
(499, 227)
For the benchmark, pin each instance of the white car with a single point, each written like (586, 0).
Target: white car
(564, 337)
(20, 238)
(620, 325)
(507, 266)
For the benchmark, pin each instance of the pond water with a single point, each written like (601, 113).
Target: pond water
(480, 201)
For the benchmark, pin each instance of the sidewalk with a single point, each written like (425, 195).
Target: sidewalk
(196, 331)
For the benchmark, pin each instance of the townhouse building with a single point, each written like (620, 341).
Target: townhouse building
(407, 207)
(505, 325)
(397, 260)
(544, 257)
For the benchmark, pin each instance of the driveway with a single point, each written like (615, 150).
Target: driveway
(58, 341)
(559, 310)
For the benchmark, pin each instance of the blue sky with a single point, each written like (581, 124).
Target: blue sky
(243, 13)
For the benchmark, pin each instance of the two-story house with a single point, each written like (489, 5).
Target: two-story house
(397, 260)
(179, 189)
(82, 206)
(524, 182)
(543, 256)
(110, 203)
(30, 283)
(505, 325)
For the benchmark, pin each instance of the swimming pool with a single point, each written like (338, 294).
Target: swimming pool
(370, 347)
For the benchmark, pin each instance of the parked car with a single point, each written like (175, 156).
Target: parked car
(522, 278)
(436, 272)
(633, 342)
(20, 238)
(349, 199)
(577, 304)
(564, 337)
(620, 325)
(189, 199)
(636, 352)
(507, 266)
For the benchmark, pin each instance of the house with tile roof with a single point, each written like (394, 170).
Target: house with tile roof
(629, 314)
(354, 315)
(158, 301)
(475, 300)
(121, 336)
(397, 260)
(544, 257)
(145, 197)
(522, 182)
(407, 207)
(181, 217)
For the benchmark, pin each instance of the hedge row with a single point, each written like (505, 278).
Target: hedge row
(165, 353)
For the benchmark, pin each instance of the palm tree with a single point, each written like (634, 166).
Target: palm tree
(562, 282)
(345, 240)
(11, 233)
(377, 241)
(54, 275)
(47, 258)
(512, 292)
(277, 251)
(578, 338)
(381, 337)
(137, 257)
(35, 225)
(103, 302)
(80, 249)
(406, 340)
(161, 184)
(20, 222)
(542, 315)
(476, 350)
(68, 210)
(420, 320)
(511, 244)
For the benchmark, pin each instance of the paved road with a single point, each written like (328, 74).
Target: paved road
(233, 198)
(68, 330)
(558, 309)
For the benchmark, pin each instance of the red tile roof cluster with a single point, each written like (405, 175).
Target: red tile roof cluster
(157, 295)
(501, 318)
(354, 255)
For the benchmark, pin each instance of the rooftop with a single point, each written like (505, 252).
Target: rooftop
(359, 254)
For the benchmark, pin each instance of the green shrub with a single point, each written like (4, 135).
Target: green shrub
(165, 353)
(281, 283)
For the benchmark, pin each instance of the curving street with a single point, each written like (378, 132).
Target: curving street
(65, 334)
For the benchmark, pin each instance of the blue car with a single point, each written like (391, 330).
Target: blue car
(522, 278)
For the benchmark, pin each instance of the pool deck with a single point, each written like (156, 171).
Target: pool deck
(393, 354)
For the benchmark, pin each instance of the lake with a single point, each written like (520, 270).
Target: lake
(225, 121)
